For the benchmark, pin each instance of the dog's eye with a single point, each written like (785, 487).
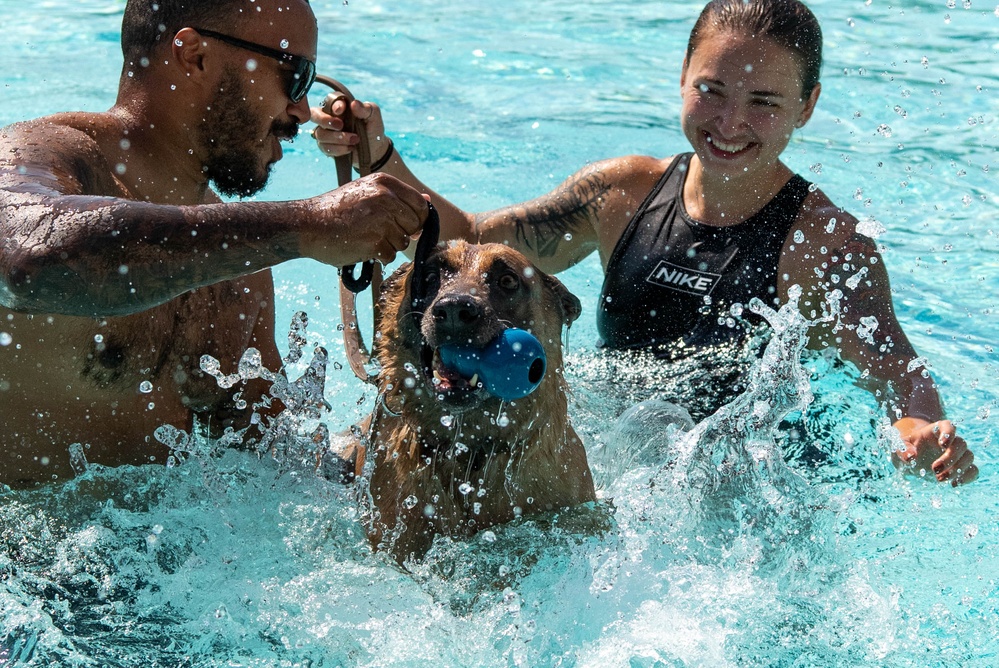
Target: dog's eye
(509, 282)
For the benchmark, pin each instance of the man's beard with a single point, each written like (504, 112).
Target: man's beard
(233, 155)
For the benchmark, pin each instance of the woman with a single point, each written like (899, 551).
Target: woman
(698, 234)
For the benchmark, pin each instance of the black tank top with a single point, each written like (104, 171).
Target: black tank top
(672, 279)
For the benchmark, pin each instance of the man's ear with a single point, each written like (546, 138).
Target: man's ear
(188, 49)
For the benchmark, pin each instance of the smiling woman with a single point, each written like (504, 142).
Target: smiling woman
(827, 558)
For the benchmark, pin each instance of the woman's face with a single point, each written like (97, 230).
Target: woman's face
(741, 102)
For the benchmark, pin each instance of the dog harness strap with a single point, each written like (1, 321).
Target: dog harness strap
(357, 353)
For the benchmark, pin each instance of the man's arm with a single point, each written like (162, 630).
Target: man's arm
(555, 231)
(72, 242)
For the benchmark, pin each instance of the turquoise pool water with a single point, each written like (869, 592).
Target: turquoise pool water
(830, 559)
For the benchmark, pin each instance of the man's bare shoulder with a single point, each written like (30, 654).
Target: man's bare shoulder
(61, 152)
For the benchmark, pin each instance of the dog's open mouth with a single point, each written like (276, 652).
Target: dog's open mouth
(448, 384)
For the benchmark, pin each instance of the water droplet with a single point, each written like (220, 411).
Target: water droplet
(447, 420)
(503, 421)
(251, 65)
(816, 168)
(5, 339)
(799, 237)
(285, 44)
(145, 387)
(465, 489)
(884, 130)
(410, 502)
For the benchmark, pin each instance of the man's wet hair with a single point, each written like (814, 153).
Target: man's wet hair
(789, 23)
(149, 23)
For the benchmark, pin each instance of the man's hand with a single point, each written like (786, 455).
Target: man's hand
(370, 218)
(935, 446)
(334, 142)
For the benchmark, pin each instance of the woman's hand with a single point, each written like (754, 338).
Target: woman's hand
(936, 447)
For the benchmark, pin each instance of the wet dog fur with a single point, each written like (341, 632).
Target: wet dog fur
(441, 456)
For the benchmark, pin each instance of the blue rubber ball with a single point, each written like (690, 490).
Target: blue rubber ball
(510, 367)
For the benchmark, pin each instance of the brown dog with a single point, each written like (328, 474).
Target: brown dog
(448, 457)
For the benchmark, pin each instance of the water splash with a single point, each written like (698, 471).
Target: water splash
(707, 549)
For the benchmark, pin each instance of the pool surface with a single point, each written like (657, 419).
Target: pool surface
(748, 540)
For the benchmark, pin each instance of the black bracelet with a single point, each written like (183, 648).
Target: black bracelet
(375, 166)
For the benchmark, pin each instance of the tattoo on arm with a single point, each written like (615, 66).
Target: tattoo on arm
(566, 211)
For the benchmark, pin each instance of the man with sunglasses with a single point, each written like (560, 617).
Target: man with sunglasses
(120, 266)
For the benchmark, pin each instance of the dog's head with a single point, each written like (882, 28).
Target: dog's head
(467, 296)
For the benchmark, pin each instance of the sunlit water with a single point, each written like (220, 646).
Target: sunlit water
(748, 539)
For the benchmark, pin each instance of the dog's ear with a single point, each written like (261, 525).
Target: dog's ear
(568, 303)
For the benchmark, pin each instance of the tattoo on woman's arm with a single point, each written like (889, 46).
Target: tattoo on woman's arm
(567, 211)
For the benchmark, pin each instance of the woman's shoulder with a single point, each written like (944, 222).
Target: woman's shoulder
(628, 168)
(824, 223)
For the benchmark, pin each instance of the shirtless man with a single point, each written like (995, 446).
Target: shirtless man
(120, 266)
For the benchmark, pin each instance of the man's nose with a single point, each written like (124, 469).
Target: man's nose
(300, 110)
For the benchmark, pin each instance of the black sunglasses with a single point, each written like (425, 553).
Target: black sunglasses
(305, 69)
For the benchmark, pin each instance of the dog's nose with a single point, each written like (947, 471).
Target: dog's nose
(455, 312)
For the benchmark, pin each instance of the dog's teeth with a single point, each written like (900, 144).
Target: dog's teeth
(437, 375)
(474, 380)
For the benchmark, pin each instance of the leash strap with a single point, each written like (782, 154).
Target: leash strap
(371, 274)
(424, 246)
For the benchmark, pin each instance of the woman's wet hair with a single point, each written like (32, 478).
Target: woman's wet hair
(149, 23)
(789, 23)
